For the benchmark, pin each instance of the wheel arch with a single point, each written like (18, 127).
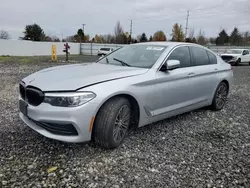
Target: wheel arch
(134, 104)
(226, 82)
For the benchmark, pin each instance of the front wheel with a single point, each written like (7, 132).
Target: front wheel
(112, 123)
(237, 62)
(220, 97)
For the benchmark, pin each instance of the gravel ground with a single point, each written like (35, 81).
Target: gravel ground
(197, 149)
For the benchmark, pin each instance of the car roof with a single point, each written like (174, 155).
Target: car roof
(165, 43)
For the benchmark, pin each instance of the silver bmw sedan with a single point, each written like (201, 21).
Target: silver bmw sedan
(135, 85)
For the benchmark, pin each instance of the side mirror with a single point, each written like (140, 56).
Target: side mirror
(101, 56)
(171, 65)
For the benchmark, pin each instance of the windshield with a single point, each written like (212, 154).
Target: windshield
(143, 56)
(234, 51)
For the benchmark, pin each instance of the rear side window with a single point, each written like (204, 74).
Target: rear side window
(105, 49)
(200, 56)
(212, 58)
(182, 54)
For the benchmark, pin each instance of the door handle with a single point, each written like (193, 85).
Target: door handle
(191, 74)
(215, 69)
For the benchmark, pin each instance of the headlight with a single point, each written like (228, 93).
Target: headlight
(68, 99)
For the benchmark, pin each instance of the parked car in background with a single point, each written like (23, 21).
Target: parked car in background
(236, 56)
(104, 51)
(135, 85)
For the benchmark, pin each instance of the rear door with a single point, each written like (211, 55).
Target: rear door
(205, 71)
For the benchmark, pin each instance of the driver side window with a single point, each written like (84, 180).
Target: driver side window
(245, 52)
(183, 55)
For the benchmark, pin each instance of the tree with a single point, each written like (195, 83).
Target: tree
(159, 36)
(119, 33)
(98, 39)
(33, 32)
(201, 39)
(212, 40)
(223, 38)
(150, 38)
(80, 35)
(51, 39)
(177, 33)
(125, 38)
(194, 40)
(4, 35)
(191, 33)
(80, 32)
(188, 40)
(86, 38)
(107, 38)
(143, 38)
(235, 37)
(246, 37)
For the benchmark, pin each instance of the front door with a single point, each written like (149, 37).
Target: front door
(176, 89)
(245, 56)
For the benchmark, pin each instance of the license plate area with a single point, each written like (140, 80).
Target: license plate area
(23, 106)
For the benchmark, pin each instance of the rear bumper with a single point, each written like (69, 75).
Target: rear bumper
(63, 124)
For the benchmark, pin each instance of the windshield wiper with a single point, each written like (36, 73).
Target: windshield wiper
(122, 62)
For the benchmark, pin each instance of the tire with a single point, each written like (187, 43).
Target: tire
(249, 63)
(220, 97)
(107, 124)
(237, 62)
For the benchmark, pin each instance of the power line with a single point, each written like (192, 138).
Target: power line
(186, 24)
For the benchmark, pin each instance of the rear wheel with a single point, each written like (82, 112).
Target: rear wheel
(112, 123)
(220, 97)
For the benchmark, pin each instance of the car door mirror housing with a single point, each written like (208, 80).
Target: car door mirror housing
(170, 65)
(173, 64)
(101, 56)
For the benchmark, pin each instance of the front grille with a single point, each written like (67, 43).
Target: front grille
(227, 58)
(22, 90)
(32, 95)
(58, 129)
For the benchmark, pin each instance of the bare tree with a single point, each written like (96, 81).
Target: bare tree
(4, 35)
(201, 39)
(118, 32)
(191, 33)
(246, 36)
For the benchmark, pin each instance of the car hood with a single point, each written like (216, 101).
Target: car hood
(73, 77)
(234, 55)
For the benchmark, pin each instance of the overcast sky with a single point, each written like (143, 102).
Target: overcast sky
(64, 18)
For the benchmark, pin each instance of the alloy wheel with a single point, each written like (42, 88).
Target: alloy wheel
(221, 95)
(122, 122)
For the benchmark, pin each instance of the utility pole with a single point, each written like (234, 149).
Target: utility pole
(83, 30)
(131, 25)
(186, 25)
(81, 39)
